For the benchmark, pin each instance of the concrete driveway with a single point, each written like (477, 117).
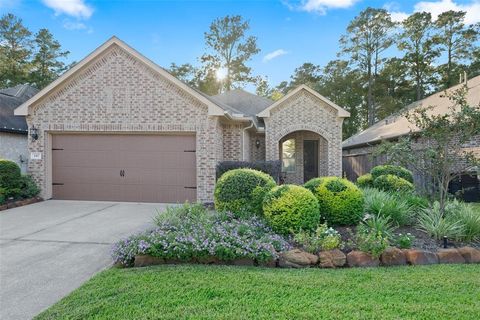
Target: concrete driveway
(50, 248)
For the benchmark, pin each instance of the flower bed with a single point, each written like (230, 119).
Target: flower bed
(351, 228)
(193, 234)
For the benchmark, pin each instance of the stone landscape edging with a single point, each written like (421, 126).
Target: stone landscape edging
(19, 203)
(297, 258)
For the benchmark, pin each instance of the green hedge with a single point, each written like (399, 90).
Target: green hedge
(398, 171)
(392, 183)
(365, 181)
(10, 174)
(291, 208)
(340, 201)
(241, 191)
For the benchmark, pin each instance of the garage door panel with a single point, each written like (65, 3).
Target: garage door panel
(99, 159)
(156, 168)
(172, 177)
(129, 143)
(87, 175)
(144, 193)
(163, 159)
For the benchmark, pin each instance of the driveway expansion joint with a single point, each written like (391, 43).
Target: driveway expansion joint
(66, 221)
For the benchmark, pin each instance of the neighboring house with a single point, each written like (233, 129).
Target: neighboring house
(118, 127)
(13, 129)
(357, 150)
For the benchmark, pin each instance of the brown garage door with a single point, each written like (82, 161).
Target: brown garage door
(143, 168)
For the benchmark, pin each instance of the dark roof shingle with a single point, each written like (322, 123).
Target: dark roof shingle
(10, 99)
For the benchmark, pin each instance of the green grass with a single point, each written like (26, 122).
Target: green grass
(222, 292)
(476, 205)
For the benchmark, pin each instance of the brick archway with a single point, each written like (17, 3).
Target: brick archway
(302, 127)
(332, 148)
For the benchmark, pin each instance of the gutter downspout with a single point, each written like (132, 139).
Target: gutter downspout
(243, 139)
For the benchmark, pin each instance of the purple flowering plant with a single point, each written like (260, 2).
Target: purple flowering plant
(191, 232)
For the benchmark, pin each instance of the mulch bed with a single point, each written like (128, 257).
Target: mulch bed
(422, 240)
(19, 203)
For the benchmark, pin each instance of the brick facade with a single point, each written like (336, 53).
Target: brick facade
(233, 136)
(257, 153)
(305, 112)
(117, 93)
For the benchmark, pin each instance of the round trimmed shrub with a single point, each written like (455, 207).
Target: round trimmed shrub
(10, 174)
(290, 208)
(313, 184)
(340, 201)
(392, 183)
(398, 171)
(365, 181)
(241, 191)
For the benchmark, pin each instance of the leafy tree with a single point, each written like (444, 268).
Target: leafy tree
(457, 40)
(393, 88)
(263, 89)
(185, 72)
(474, 67)
(368, 35)
(343, 85)
(416, 40)
(283, 87)
(47, 63)
(230, 49)
(15, 51)
(436, 147)
(308, 74)
(207, 82)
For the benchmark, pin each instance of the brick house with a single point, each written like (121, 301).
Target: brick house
(358, 149)
(119, 127)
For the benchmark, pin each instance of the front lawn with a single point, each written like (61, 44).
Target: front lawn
(223, 292)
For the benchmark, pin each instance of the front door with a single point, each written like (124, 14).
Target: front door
(310, 159)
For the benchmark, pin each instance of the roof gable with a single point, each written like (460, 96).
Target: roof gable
(213, 109)
(342, 113)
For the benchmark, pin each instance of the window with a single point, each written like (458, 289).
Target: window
(288, 155)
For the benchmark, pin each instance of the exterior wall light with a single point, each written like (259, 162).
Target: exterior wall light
(257, 143)
(34, 133)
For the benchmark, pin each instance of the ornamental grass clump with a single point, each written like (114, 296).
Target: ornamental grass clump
(241, 191)
(290, 208)
(438, 224)
(340, 201)
(196, 233)
(394, 206)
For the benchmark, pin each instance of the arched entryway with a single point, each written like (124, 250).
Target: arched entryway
(304, 155)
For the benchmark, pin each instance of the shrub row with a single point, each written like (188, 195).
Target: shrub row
(289, 208)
